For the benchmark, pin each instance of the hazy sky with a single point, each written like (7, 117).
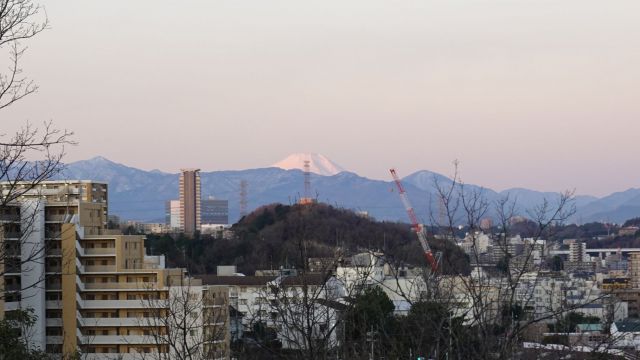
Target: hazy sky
(539, 94)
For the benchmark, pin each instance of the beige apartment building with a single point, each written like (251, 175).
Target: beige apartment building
(190, 198)
(95, 291)
(634, 269)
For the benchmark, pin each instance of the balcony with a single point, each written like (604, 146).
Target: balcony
(117, 339)
(54, 269)
(114, 304)
(54, 304)
(79, 266)
(54, 339)
(113, 322)
(54, 286)
(12, 235)
(13, 305)
(120, 356)
(99, 268)
(54, 252)
(100, 251)
(56, 218)
(214, 323)
(54, 322)
(10, 288)
(49, 235)
(12, 253)
(10, 217)
(79, 249)
(123, 285)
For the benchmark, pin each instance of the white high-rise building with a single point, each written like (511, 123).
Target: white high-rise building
(173, 213)
(578, 252)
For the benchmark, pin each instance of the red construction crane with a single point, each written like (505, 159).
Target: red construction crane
(417, 227)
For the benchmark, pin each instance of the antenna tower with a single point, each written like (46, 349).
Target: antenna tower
(243, 198)
(307, 179)
(307, 199)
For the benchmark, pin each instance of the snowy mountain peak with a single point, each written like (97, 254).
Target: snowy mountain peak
(319, 164)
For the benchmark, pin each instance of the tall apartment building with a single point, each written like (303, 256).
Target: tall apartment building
(90, 288)
(172, 214)
(634, 269)
(190, 200)
(578, 252)
(215, 212)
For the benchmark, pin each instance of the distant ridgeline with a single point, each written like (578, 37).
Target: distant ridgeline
(136, 194)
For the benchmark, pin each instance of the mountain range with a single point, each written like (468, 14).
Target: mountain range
(136, 194)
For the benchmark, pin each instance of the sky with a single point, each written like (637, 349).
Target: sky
(542, 94)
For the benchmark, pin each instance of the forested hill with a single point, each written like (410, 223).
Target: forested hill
(284, 235)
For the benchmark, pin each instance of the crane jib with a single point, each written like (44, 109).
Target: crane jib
(415, 224)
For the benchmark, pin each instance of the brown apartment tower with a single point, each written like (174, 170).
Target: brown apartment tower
(190, 200)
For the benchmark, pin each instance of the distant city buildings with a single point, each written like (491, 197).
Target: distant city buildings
(634, 269)
(191, 213)
(173, 213)
(578, 252)
(215, 212)
(190, 201)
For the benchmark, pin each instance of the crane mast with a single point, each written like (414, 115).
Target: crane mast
(416, 226)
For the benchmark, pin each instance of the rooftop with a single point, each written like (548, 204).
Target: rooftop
(308, 279)
(589, 327)
(628, 325)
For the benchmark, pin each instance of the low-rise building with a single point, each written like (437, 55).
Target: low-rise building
(282, 303)
(626, 334)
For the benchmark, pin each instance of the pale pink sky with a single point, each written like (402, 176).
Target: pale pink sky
(541, 94)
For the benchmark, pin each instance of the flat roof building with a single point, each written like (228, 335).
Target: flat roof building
(190, 201)
(173, 213)
(215, 212)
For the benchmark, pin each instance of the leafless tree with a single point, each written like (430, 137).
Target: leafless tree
(20, 20)
(186, 322)
(497, 300)
(31, 154)
(302, 309)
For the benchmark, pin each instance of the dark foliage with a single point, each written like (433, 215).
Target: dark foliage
(269, 238)
(12, 344)
(632, 222)
(626, 241)
(569, 323)
(586, 231)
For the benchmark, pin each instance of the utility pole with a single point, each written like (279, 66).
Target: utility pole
(370, 339)
(449, 350)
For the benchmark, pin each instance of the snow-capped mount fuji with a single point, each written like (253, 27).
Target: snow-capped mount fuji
(318, 164)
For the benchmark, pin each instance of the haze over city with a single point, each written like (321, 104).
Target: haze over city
(536, 94)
